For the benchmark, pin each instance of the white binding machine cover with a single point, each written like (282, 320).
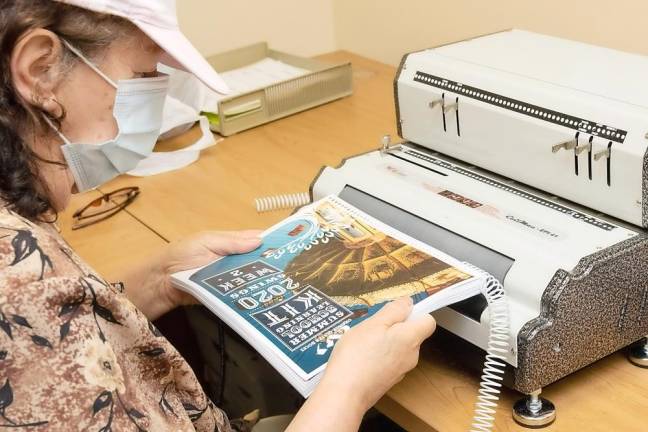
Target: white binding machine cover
(561, 116)
(522, 238)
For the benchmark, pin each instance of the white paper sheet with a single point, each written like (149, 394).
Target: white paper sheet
(257, 75)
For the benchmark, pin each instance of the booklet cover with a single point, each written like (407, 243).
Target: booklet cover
(318, 273)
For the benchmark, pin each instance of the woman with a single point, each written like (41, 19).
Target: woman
(81, 102)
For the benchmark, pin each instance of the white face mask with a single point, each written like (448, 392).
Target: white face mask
(138, 112)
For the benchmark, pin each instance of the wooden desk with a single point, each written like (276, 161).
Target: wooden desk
(439, 395)
(112, 245)
(217, 192)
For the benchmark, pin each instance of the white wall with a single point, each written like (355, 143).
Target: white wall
(302, 27)
(386, 29)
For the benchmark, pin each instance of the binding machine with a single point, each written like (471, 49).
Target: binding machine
(525, 155)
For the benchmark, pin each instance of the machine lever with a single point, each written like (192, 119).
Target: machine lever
(387, 146)
(567, 145)
(449, 107)
(602, 153)
(581, 148)
(435, 103)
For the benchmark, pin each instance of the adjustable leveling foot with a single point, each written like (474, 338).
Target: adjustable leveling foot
(534, 411)
(638, 353)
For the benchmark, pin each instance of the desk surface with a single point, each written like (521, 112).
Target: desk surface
(112, 245)
(218, 191)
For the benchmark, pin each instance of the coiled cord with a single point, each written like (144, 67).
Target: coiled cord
(498, 346)
(498, 339)
(278, 202)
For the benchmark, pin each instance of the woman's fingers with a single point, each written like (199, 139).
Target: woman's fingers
(394, 312)
(254, 233)
(419, 329)
(228, 243)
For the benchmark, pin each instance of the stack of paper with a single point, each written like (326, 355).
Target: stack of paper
(252, 77)
(317, 274)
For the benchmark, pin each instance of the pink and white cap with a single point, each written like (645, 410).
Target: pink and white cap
(158, 20)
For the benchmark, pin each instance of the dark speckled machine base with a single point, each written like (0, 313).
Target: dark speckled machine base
(597, 309)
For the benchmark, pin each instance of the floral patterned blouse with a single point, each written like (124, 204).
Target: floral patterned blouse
(76, 354)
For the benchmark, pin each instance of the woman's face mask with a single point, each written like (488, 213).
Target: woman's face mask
(138, 112)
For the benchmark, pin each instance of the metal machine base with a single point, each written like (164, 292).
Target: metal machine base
(534, 411)
(638, 354)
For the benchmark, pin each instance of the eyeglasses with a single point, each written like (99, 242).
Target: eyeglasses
(104, 207)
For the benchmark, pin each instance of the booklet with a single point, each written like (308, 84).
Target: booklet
(318, 273)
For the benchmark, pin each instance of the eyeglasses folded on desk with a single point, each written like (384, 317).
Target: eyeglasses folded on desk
(104, 207)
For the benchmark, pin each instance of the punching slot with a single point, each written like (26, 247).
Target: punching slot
(457, 116)
(576, 156)
(589, 158)
(609, 164)
(443, 111)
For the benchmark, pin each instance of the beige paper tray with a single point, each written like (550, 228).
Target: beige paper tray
(324, 83)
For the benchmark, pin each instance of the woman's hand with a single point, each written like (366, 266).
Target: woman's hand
(375, 355)
(368, 360)
(149, 286)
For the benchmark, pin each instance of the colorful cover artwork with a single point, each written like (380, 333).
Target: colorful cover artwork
(316, 275)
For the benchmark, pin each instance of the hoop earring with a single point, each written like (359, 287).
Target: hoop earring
(36, 100)
(61, 108)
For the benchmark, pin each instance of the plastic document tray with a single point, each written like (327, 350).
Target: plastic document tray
(324, 83)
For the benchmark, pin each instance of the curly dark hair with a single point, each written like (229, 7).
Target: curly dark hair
(21, 187)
